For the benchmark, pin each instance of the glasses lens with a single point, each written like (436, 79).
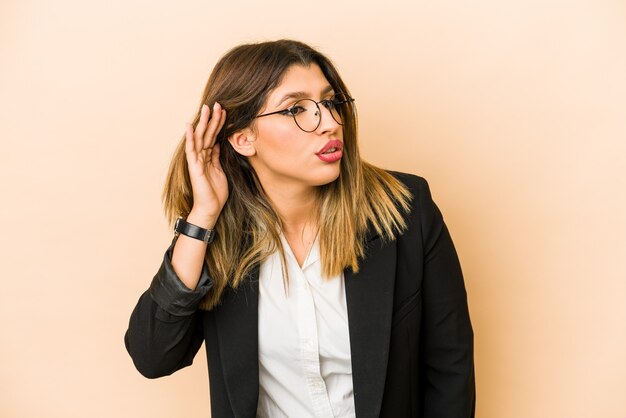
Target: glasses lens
(307, 114)
(340, 108)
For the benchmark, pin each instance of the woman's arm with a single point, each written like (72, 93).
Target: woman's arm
(165, 329)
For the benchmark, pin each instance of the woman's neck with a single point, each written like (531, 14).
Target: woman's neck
(297, 208)
(298, 213)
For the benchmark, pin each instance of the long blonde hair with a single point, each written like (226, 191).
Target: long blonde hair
(248, 228)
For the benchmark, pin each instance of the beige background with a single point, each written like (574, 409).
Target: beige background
(515, 111)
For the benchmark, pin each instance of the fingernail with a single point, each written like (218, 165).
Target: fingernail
(204, 108)
(216, 106)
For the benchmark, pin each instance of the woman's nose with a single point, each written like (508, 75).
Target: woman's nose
(327, 122)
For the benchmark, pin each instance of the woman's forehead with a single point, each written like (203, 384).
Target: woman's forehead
(298, 80)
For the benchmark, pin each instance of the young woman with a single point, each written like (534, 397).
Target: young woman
(322, 286)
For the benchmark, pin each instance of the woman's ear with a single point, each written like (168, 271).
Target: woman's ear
(243, 142)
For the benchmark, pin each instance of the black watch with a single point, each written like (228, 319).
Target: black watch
(193, 231)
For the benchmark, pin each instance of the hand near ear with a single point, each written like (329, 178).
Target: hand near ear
(208, 181)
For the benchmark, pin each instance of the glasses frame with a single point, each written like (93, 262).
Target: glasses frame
(332, 101)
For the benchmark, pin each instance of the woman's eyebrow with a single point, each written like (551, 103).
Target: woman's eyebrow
(303, 95)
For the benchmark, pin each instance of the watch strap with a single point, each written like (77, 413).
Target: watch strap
(194, 231)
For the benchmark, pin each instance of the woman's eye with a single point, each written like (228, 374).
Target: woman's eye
(294, 110)
(329, 103)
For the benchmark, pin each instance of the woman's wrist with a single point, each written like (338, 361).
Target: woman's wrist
(203, 220)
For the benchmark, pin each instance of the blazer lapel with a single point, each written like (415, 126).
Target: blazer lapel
(369, 299)
(237, 329)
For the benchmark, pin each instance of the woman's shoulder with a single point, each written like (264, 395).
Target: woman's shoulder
(422, 207)
(416, 184)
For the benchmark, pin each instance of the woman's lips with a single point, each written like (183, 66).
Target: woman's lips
(331, 152)
(331, 157)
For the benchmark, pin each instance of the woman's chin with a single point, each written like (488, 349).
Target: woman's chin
(326, 178)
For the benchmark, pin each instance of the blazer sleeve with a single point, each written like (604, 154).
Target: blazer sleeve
(447, 338)
(165, 328)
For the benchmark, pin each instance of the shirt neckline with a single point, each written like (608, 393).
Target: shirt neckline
(312, 257)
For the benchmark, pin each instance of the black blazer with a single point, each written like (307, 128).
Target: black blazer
(410, 333)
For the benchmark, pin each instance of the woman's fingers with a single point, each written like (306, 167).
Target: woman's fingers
(203, 138)
(222, 121)
(215, 157)
(189, 143)
(214, 126)
(201, 126)
(211, 137)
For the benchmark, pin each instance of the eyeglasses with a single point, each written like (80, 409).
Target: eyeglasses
(308, 116)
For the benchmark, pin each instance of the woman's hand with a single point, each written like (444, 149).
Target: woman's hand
(208, 181)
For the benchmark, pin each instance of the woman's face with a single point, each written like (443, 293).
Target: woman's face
(287, 156)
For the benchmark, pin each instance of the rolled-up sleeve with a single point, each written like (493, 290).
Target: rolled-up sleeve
(171, 294)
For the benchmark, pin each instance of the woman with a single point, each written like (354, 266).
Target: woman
(323, 286)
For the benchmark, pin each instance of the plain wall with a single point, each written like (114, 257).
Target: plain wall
(514, 111)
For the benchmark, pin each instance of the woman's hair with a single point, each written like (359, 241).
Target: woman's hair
(248, 228)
